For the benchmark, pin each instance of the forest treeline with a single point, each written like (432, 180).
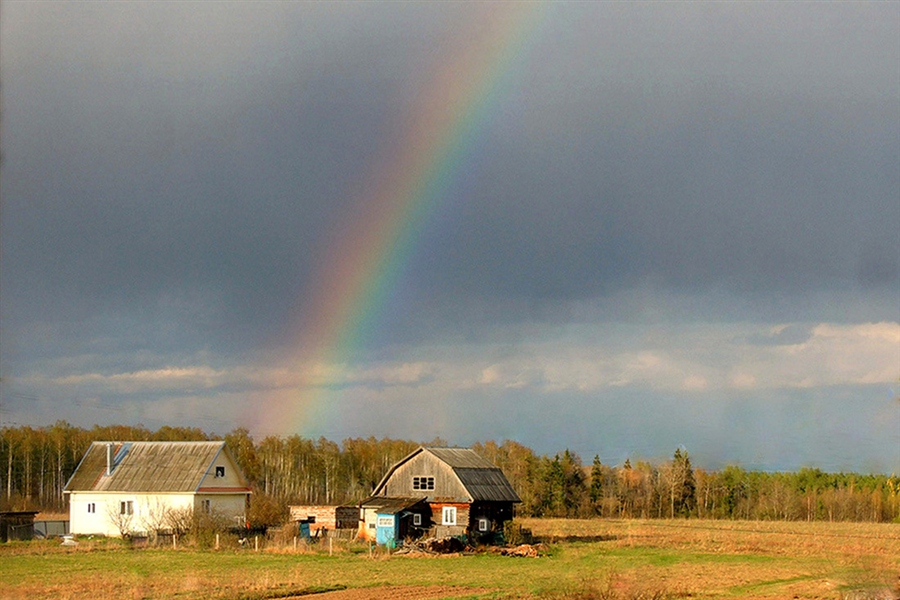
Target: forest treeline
(36, 463)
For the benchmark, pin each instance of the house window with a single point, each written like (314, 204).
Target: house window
(484, 524)
(126, 507)
(448, 516)
(423, 483)
(92, 507)
(220, 471)
(206, 506)
(417, 520)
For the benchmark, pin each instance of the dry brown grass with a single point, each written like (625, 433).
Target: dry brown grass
(748, 559)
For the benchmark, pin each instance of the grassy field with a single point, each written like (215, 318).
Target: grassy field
(582, 560)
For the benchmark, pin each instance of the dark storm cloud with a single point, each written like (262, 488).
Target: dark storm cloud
(723, 148)
(177, 168)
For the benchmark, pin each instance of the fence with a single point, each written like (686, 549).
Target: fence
(45, 529)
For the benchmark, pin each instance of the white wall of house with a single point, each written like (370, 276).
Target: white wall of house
(367, 524)
(232, 507)
(103, 513)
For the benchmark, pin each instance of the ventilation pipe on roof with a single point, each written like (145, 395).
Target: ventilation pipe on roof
(109, 458)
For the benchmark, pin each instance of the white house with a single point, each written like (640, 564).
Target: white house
(134, 487)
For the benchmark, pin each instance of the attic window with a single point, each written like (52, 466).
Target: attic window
(220, 471)
(423, 483)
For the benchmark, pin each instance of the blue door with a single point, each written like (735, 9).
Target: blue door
(386, 530)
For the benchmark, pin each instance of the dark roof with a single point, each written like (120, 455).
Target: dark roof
(390, 506)
(482, 480)
(146, 467)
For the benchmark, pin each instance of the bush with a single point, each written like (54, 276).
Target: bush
(515, 535)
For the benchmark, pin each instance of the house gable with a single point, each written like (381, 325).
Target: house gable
(423, 474)
(222, 475)
(460, 475)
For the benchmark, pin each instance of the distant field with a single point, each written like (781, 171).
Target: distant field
(583, 560)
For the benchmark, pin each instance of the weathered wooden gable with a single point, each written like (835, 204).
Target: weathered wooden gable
(424, 465)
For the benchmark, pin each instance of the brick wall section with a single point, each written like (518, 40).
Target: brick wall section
(327, 517)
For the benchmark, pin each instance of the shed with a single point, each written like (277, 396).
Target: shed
(17, 525)
(388, 520)
(322, 518)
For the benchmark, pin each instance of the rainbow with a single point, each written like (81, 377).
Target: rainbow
(368, 255)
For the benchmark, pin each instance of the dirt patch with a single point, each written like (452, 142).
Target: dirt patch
(395, 593)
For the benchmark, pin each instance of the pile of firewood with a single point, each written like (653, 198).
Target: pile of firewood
(526, 550)
(432, 546)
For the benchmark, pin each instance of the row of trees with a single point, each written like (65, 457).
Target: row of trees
(36, 463)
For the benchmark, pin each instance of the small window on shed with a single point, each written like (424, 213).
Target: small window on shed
(220, 471)
(417, 519)
(484, 524)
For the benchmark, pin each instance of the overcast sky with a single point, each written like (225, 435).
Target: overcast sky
(671, 224)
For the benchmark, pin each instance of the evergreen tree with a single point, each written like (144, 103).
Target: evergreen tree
(596, 491)
(684, 489)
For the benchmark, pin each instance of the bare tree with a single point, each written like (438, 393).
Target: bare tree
(154, 516)
(179, 520)
(121, 514)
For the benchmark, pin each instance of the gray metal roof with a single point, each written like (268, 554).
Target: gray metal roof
(461, 458)
(146, 467)
(487, 484)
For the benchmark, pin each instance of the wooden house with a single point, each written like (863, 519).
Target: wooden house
(466, 494)
(123, 488)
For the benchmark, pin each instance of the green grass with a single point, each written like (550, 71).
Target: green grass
(678, 559)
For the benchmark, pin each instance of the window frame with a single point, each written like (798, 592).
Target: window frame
(220, 471)
(126, 507)
(448, 515)
(484, 524)
(92, 507)
(423, 483)
(417, 520)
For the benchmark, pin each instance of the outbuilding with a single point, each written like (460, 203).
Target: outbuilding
(17, 525)
(387, 521)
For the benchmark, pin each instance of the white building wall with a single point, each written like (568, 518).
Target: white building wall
(148, 512)
(231, 506)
